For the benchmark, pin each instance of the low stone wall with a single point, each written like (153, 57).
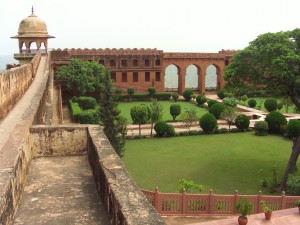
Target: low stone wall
(14, 83)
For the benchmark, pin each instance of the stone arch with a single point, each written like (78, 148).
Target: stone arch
(212, 74)
(33, 46)
(171, 77)
(192, 77)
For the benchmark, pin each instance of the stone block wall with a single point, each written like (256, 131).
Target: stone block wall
(15, 82)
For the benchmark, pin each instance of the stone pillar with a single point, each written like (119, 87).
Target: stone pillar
(27, 44)
(181, 79)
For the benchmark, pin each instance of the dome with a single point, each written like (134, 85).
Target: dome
(32, 25)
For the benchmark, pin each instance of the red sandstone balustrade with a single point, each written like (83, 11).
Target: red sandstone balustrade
(212, 204)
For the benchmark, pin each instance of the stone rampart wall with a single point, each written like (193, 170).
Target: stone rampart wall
(14, 83)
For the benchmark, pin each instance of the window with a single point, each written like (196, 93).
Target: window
(124, 77)
(157, 76)
(157, 62)
(135, 77)
(124, 63)
(226, 62)
(113, 76)
(147, 76)
(147, 62)
(101, 61)
(112, 62)
(135, 62)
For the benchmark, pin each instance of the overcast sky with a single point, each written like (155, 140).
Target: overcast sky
(169, 25)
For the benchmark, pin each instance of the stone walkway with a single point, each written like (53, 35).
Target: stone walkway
(13, 117)
(60, 190)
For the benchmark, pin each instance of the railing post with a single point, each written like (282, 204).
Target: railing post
(210, 201)
(283, 200)
(156, 205)
(258, 201)
(236, 195)
(183, 202)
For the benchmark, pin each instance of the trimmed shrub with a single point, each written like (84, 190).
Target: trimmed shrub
(229, 102)
(130, 90)
(275, 121)
(87, 103)
(152, 91)
(170, 131)
(221, 94)
(201, 99)
(279, 106)
(211, 102)
(163, 96)
(270, 104)
(118, 91)
(252, 103)
(242, 122)
(261, 128)
(217, 109)
(163, 129)
(90, 116)
(187, 94)
(175, 96)
(175, 110)
(208, 123)
(75, 110)
(234, 130)
(74, 99)
(223, 131)
(293, 128)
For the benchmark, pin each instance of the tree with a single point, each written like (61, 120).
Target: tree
(114, 124)
(286, 102)
(140, 114)
(82, 76)
(229, 114)
(152, 91)
(155, 113)
(270, 61)
(175, 110)
(130, 92)
(189, 117)
(293, 130)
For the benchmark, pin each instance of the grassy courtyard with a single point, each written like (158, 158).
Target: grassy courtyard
(126, 106)
(223, 162)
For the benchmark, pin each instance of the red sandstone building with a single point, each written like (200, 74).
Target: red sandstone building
(137, 68)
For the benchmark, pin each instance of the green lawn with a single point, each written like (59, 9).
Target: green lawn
(261, 101)
(126, 106)
(223, 162)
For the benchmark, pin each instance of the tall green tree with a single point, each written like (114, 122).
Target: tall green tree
(114, 124)
(155, 113)
(271, 61)
(81, 76)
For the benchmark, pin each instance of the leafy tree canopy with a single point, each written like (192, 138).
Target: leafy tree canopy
(272, 61)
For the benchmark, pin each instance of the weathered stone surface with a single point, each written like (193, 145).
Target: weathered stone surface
(60, 190)
(126, 203)
(58, 140)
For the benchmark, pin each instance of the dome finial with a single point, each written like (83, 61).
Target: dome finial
(32, 10)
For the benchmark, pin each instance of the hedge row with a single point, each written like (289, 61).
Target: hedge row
(145, 97)
(90, 116)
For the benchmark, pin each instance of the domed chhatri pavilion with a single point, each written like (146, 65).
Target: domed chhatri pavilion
(31, 30)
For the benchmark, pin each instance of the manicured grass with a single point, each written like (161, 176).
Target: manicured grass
(260, 101)
(126, 106)
(224, 162)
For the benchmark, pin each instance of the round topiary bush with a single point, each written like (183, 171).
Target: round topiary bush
(175, 96)
(163, 129)
(275, 121)
(270, 104)
(211, 102)
(175, 110)
(279, 106)
(221, 94)
(170, 131)
(201, 99)
(252, 103)
(208, 123)
(187, 94)
(242, 122)
(217, 109)
(293, 128)
(261, 128)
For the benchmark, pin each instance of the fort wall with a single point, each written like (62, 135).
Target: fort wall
(15, 82)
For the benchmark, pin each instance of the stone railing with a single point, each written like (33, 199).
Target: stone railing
(212, 204)
(15, 82)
